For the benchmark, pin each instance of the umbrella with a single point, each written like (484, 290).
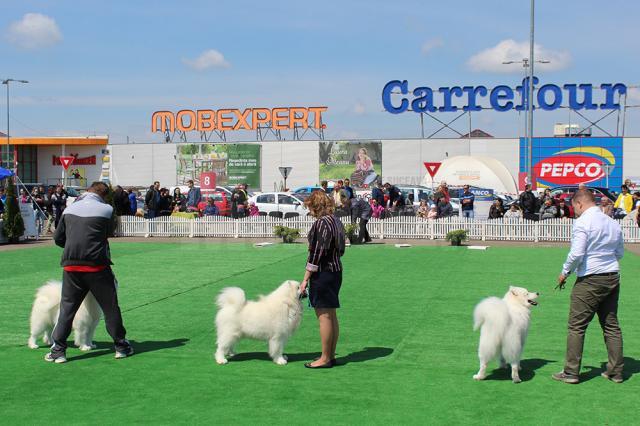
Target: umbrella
(4, 173)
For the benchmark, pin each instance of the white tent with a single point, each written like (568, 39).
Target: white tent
(484, 172)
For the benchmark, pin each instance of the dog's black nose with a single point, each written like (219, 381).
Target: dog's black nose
(537, 294)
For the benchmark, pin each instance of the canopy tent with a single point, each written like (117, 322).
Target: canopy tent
(480, 171)
(5, 173)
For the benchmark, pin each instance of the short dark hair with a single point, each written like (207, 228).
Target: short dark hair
(624, 187)
(584, 195)
(99, 188)
(156, 182)
(190, 181)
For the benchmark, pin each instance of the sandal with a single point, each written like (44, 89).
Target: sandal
(327, 365)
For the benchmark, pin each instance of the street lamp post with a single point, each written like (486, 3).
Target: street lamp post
(15, 154)
(525, 66)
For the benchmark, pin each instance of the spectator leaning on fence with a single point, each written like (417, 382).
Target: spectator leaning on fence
(625, 200)
(496, 211)
(548, 210)
(423, 210)
(563, 210)
(514, 212)
(466, 202)
(377, 193)
(377, 209)
(444, 208)
(211, 209)
(606, 206)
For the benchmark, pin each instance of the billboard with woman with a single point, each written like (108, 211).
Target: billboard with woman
(360, 162)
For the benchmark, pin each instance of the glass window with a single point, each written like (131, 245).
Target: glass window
(285, 199)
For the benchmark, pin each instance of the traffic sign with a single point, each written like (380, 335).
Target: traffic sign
(65, 162)
(432, 168)
(285, 171)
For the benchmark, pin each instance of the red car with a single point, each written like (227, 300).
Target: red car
(220, 199)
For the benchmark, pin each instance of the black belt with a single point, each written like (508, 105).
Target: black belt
(604, 274)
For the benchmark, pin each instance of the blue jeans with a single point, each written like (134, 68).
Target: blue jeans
(468, 214)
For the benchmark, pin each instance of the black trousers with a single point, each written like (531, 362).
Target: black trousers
(363, 234)
(75, 286)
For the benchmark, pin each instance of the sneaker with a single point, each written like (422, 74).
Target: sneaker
(123, 354)
(58, 360)
(563, 377)
(614, 379)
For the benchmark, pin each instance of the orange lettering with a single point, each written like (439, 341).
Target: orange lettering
(222, 119)
(180, 123)
(317, 120)
(242, 119)
(257, 119)
(276, 118)
(163, 116)
(298, 115)
(206, 120)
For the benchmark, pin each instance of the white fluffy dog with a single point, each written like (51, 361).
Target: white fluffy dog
(504, 324)
(273, 318)
(44, 315)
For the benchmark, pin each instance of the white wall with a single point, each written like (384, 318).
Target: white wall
(141, 165)
(50, 174)
(303, 156)
(402, 160)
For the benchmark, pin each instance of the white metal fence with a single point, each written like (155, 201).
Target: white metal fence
(400, 227)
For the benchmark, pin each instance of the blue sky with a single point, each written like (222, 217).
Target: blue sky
(104, 67)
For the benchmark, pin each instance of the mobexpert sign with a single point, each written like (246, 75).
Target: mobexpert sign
(204, 120)
(501, 98)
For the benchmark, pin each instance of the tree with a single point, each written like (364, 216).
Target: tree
(13, 225)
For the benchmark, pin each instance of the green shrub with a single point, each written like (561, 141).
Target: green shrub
(351, 231)
(287, 234)
(13, 225)
(457, 237)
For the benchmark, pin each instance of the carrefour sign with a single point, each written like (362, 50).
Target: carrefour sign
(572, 161)
(501, 98)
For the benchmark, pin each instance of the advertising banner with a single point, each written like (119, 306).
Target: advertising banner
(360, 162)
(231, 163)
(594, 161)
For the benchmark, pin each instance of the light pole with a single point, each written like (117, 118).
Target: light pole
(525, 65)
(15, 156)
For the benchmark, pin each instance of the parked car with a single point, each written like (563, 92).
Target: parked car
(279, 202)
(425, 193)
(303, 192)
(566, 193)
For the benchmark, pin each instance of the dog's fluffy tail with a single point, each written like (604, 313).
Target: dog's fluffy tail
(48, 296)
(231, 297)
(492, 312)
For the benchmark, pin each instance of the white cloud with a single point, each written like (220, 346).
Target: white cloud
(34, 31)
(491, 59)
(207, 59)
(359, 108)
(431, 44)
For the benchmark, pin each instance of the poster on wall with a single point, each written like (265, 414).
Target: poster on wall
(360, 162)
(558, 161)
(232, 163)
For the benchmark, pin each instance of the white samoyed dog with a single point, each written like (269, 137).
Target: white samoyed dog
(503, 324)
(44, 315)
(273, 318)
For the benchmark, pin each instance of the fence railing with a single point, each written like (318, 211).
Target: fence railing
(401, 227)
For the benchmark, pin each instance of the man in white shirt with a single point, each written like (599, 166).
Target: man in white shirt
(596, 248)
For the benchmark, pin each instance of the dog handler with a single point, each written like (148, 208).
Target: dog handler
(83, 231)
(323, 273)
(596, 248)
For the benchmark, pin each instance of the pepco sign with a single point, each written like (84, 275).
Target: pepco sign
(569, 170)
(572, 161)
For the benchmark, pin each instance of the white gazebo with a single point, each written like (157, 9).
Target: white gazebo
(484, 172)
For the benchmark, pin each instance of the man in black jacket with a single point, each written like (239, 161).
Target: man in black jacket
(151, 200)
(529, 204)
(83, 231)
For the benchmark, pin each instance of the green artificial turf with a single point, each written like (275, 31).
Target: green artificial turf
(406, 341)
